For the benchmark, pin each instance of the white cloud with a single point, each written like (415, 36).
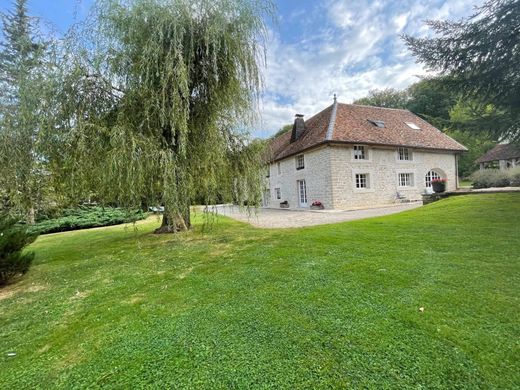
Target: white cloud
(346, 47)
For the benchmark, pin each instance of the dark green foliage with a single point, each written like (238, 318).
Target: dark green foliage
(390, 98)
(283, 130)
(87, 217)
(13, 239)
(480, 57)
(23, 61)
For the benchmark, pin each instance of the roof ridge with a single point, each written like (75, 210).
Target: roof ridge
(332, 121)
(381, 108)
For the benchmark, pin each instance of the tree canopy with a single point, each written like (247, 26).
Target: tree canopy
(153, 98)
(23, 72)
(480, 58)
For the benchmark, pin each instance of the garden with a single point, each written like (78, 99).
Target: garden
(417, 299)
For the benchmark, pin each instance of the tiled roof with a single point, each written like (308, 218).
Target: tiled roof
(352, 125)
(501, 152)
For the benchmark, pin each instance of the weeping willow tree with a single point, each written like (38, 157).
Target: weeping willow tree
(152, 103)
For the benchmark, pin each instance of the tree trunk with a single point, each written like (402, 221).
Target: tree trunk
(31, 216)
(181, 222)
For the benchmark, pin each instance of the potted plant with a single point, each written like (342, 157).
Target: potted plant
(317, 205)
(439, 185)
(284, 205)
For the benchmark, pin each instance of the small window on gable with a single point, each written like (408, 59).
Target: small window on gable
(377, 123)
(279, 167)
(300, 162)
(268, 171)
(412, 125)
(360, 152)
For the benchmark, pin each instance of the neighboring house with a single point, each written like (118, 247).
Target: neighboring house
(502, 156)
(350, 156)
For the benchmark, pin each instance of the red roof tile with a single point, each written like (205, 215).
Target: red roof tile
(352, 125)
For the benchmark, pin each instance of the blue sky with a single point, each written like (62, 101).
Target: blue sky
(319, 48)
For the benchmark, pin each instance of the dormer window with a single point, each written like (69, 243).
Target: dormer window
(360, 152)
(412, 125)
(300, 162)
(377, 123)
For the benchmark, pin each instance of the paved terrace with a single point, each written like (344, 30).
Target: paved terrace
(283, 218)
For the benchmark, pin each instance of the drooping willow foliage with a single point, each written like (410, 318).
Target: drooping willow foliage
(151, 99)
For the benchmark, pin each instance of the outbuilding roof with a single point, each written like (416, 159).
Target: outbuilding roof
(501, 152)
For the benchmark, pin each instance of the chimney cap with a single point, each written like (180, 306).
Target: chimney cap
(299, 115)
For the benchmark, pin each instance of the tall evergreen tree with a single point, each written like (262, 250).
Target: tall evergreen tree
(481, 57)
(21, 81)
(153, 100)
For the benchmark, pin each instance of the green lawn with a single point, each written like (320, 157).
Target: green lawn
(239, 307)
(465, 183)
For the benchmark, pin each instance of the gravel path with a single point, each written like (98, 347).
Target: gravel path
(279, 218)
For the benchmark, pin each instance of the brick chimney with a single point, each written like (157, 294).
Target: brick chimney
(298, 127)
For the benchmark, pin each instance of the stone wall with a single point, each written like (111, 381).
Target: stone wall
(316, 175)
(330, 172)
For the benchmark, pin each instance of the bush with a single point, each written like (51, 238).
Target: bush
(13, 239)
(515, 176)
(87, 217)
(491, 178)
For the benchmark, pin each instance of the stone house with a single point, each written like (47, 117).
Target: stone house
(349, 156)
(502, 156)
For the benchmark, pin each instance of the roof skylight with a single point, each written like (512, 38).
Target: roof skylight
(412, 125)
(377, 123)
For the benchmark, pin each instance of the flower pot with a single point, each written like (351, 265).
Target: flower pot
(284, 205)
(320, 207)
(438, 187)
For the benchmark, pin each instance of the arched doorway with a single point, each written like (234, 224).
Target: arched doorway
(433, 174)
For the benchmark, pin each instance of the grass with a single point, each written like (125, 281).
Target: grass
(465, 183)
(233, 306)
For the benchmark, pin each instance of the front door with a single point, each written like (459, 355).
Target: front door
(302, 193)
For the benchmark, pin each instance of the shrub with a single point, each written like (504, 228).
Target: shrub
(490, 178)
(514, 174)
(87, 217)
(13, 238)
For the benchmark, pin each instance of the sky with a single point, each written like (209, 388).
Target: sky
(316, 49)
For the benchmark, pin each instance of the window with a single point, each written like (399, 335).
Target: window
(404, 154)
(412, 125)
(278, 193)
(360, 152)
(362, 180)
(406, 180)
(268, 171)
(377, 123)
(302, 193)
(429, 176)
(279, 167)
(300, 162)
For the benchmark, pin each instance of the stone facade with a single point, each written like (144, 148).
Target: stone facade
(330, 176)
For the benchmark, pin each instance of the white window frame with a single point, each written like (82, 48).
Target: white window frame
(407, 183)
(300, 158)
(279, 168)
(302, 195)
(268, 173)
(278, 193)
(365, 153)
(406, 151)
